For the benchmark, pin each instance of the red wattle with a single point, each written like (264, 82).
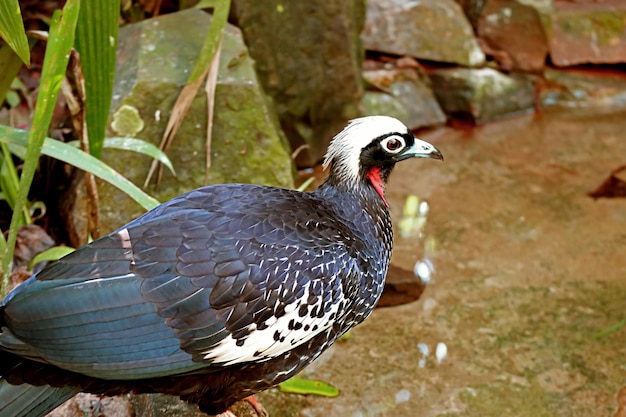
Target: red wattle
(373, 175)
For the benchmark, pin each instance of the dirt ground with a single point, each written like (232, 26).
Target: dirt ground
(528, 270)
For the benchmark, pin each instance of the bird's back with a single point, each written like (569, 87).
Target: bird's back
(222, 276)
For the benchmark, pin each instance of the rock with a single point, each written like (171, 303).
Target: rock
(403, 93)
(472, 9)
(308, 56)
(89, 405)
(155, 58)
(160, 405)
(435, 30)
(401, 287)
(583, 88)
(560, 381)
(612, 187)
(481, 95)
(73, 209)
(588, 33)
(500, 26)
(30, 241)
(153, 405)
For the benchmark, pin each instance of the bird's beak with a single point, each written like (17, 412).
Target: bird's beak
(421, 149)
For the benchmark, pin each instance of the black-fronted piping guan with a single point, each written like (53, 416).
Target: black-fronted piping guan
(215, 295)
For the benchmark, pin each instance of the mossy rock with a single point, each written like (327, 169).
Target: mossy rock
(155, 58)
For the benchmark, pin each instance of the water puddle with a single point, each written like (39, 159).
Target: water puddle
(524, 270)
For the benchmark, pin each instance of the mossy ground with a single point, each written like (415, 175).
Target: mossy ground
(528, 269)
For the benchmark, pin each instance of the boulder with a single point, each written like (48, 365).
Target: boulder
(503, 21)
(155, 57)
(481, 95)
(403, 93)
(472, 9)
(308, 56)
(583, 88)
(588, 32)
(435, 30)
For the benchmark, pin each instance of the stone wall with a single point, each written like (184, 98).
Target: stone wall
(487, 59)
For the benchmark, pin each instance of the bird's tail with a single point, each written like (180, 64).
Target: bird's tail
(24, 388)
(31, 401)
(27, 388)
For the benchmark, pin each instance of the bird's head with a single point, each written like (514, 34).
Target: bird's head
(368, 148)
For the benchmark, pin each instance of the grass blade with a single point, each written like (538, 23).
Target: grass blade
(17, 140)
(10, 64)
(96, 42)
(611, 329)
(51, 254)
(60, 42)
(135, 145)
(221, 9)
(12, 29)
(9, 184)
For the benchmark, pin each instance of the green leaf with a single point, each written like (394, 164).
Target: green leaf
(308, 386)
(10, 64)
(611, 329)
(52, 254)
(135, 145)
(306, 184)
(96, 41)
(9, 183)
(202, 67)
(60, 42)
(345, 337)
(17, 140)
(13, 99)
(12, 29)
(212, 40)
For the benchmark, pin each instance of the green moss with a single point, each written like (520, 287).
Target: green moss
(127, 121)
(548, 363)
(247, 142)
(499, 399)
(603, 27)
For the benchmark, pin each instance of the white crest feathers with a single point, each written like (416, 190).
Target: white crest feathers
(345, 149)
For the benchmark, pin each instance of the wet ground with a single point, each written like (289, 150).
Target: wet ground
(528, 269)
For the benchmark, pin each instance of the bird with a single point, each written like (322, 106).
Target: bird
(215, 295)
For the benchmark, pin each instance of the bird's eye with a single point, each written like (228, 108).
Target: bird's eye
(393, 144)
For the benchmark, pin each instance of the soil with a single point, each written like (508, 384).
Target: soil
(529, 271)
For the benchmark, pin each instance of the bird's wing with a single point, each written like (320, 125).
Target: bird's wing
(86, 314)
(246, 283)
(193, 284)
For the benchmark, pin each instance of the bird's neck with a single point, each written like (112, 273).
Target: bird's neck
(368, 185)
(364, 211)
(375, 177)
(352, 200)
(367, 191)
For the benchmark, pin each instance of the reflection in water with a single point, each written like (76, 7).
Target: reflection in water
(412, 224)
(515, 302)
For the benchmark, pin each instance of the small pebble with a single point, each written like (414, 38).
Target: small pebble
(423, 348)
(423, 270)
(429, 304)
(441, 352)
(403, 396)
(423, 209)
